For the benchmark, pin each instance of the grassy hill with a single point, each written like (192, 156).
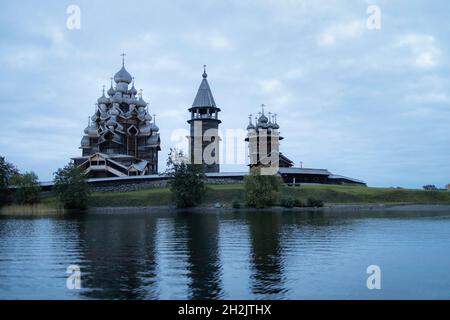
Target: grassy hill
(227, 193)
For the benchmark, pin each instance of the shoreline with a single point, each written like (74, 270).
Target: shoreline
(45, 211)
(391, 207)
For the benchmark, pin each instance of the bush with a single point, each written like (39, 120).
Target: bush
(235, 204)
(298, 203)
(261, 191)
(429, 187)
(28, 188)
(315, 203)
(287, 202)
(71, 188)
(188, 180)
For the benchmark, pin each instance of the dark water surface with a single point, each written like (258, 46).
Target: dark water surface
(242, 255)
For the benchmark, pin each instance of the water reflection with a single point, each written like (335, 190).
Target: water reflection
(266, 254)
(204, 265)
(269, 255)
(119, 257)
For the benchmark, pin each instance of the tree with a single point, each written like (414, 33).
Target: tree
(261, 191)
(71, 188)
(28, 188)
(187, 182)
(7, 172)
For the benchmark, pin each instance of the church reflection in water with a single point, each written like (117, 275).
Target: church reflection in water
(119, 255)
(266, 257)
(126, 256)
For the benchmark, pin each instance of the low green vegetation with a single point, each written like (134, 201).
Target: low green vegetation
(231, 194)
(331, 194)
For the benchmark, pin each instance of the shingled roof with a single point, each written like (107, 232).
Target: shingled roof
(204, 97)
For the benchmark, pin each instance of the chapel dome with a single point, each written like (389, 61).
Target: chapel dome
(123, 76)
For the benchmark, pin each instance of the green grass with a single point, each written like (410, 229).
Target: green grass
(363, 195)
(225, 194)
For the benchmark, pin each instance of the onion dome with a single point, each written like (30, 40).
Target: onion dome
(148, 117)
(153, 140)
(91, 130)
(263, 119)
(133, 100)
(270, 123)
(275, 124)
(85, 142)
(250, 124)
(141, 102)
(154, 127)
(111, 90)
(133, 90)
(123, 76)
(117, 98)
(103, 99)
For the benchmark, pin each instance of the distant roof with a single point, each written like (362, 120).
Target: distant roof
(336, 176)
(294, 170)
(283, 157)
(226, 174)
(204, 97)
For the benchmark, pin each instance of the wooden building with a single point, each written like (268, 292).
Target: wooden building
(122, 138)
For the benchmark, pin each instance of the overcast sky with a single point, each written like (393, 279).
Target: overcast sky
(370, 104)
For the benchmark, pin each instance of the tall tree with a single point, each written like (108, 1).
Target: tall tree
(261, 191)
(187, 182)
(71, 187)
(28, 188)
(7, 172)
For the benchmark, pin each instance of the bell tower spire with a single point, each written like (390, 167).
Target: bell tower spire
(204, 137)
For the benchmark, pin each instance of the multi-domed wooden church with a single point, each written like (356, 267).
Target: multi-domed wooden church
(121, 138)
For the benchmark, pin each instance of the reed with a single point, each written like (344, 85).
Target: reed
(35, 210)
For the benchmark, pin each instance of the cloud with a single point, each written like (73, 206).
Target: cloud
(270, 86)
(220, 42)
(295, 73)
(340, 32)
(425, 52)
(214, 40)
(430, 97)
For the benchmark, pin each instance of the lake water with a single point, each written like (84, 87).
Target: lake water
(240, 255)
